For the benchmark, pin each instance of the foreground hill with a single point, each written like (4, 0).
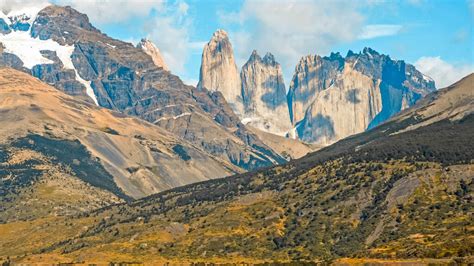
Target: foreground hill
(401, 190)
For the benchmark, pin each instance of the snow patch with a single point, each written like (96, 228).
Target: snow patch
(28, 49)
(26, 12)
(181, 115)
(173, 117)
(247, 120)
(426, 78)
(89, 90)
(292, 134)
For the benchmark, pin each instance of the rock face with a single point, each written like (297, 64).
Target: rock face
(334, 97)
(150, 49)
(219, 71)
(264, 95)
(117, 75)
(329, 98)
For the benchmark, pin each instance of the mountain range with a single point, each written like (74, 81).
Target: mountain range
(329, 98)
(61, 48)
(108, 157)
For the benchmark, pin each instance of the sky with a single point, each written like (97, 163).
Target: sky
(434, 35)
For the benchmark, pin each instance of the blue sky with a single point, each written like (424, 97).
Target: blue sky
(436, 36)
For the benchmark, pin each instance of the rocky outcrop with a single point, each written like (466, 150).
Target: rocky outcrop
(312, 74)
(333, 97)
(264, 95)
(219, 71)
(150, 49)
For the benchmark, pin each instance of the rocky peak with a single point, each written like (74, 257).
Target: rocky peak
(350, 53)
(220, 42)
(219, 71)
(334, 57)
(220, 34)
(269, 59)
(313, 74)
(369, 51)
(150, 49)
(263, 94)
(333, 97)
(65, 25)
(254, 57)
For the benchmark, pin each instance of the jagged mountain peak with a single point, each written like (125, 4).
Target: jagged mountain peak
(220, 34)
(220, 44)
(150, 48)
(218, 70)
(263, 94)
(372, 84)
(144, 41)
(306, 61)
(350, 53)
(366, 52)
(369, 51)
(254, 56)
(269, 59)
(334, 56)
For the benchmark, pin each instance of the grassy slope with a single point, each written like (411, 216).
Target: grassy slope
(395, 206)
(387, 193)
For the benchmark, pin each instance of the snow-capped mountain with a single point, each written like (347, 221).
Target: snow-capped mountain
(17, 39)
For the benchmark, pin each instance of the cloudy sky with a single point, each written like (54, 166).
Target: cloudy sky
(435, 35)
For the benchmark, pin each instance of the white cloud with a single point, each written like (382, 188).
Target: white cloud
(379, 30)
(8, 5)
(441, 71)
(112, 11)
(196, 47)
(170, 31)
(291, 29)
(168, 28)
(183, 8)
(133, 41)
